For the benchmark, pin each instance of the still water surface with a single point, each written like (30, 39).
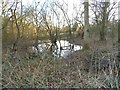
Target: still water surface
(67, 48)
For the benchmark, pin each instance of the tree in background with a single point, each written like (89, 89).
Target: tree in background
(104, 7)
(86, 23)
(66, 16)
(103, 12)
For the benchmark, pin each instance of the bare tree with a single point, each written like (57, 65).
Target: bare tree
(52, 36)
(5, 12)
(37, 20)
(103, 13)
(67, 19)
(105, 5)
(13, 12)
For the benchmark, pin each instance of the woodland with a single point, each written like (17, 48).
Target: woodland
(44, 46)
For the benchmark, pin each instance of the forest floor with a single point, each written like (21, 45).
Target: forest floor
(94, 68)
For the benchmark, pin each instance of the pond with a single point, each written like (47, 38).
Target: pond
(63, 49)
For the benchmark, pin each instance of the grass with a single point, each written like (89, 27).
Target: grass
(89, 69)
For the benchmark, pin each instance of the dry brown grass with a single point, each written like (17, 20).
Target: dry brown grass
(84, 69)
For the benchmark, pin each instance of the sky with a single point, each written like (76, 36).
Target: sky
(71, 4)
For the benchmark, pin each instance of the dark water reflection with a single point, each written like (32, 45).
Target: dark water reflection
(64, 48)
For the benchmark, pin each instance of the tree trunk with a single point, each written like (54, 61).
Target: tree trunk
(118, 39)
(18, 33)
(86, 22)
(113, 29)
(104, 20)
(102, 31)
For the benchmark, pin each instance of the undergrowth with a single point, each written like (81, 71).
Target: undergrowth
(46, 71)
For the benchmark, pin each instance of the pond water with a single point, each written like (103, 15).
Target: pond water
(63, 49)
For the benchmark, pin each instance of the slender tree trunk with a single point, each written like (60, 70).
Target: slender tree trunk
(102, 31)
(119, 31)
(113, 28)
(86, 22)
(70, 33)
(119, 39)
(18, 33)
